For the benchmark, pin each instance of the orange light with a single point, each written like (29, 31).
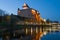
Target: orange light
(33, 11)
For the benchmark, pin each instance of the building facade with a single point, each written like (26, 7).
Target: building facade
(31, 13)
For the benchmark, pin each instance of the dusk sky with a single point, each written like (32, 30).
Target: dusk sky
(49, 9)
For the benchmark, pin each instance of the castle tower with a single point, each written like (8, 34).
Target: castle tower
(28, 12)
(18, 11)
(25, 6)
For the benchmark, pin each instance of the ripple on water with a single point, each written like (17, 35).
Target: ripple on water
(0, 38)
(51, 36)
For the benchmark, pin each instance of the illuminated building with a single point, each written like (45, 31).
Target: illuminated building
(31, 13)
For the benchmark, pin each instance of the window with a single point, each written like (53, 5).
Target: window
(33, 11)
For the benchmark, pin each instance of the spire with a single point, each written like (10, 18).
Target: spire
(25, 6)
(18, 11)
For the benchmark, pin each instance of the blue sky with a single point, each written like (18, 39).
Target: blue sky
(49, 9)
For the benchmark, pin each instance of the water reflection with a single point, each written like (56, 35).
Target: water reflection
(0, 38)
(51, 36)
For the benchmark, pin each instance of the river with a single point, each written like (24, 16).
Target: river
(51, 36)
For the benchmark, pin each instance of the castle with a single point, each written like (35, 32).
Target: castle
(31, 13)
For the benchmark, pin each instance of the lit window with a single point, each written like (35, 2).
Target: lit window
(44, 20)
(33, 10)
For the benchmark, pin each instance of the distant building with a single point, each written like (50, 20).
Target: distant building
(30, 13)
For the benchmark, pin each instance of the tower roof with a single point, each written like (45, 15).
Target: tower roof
(25, 6)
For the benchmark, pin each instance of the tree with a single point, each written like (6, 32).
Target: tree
(48, 21)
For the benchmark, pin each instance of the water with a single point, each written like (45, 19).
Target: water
(51, 36)
(0, 38)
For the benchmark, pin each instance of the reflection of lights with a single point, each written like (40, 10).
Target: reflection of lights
(26, 22)
(50, 29)
(14, 34)
(31, 30)
(26, 30)
(58, 25)
(45, 33)
(36, 29)
(7, 37)
(41, 35)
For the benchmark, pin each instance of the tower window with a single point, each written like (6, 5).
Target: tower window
(33, 11)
